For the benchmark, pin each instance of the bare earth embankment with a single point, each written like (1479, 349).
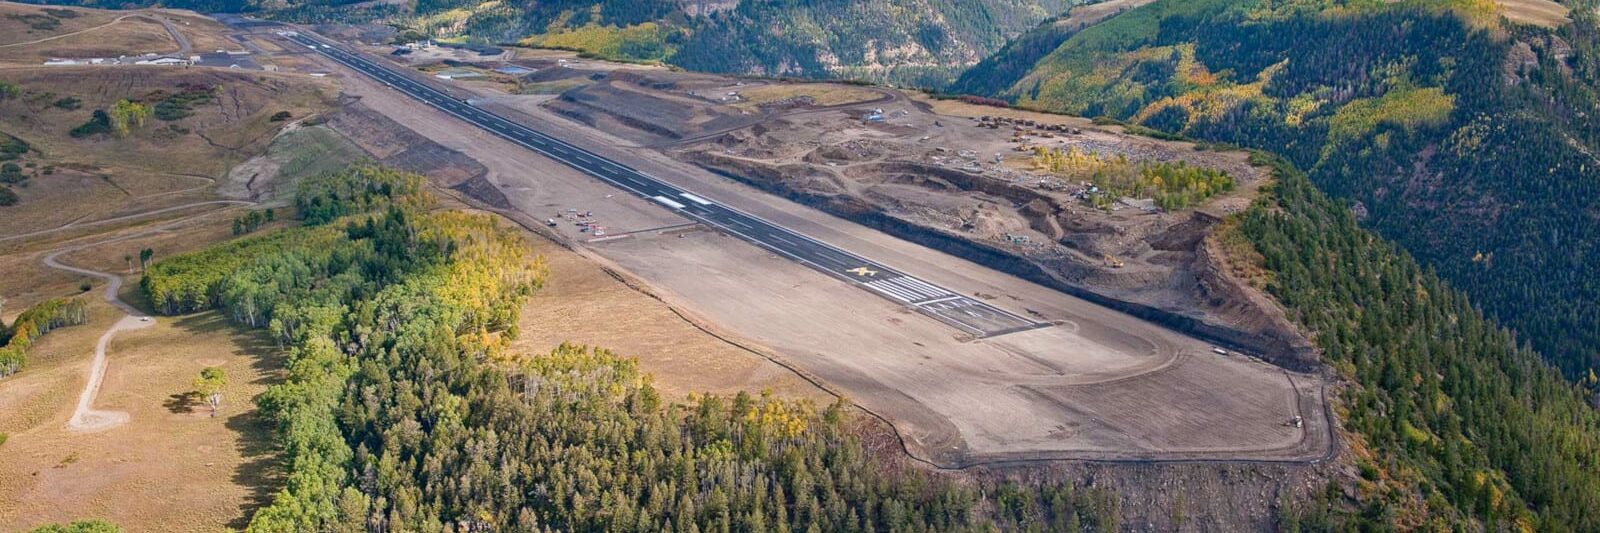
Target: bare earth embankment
(1101, 384)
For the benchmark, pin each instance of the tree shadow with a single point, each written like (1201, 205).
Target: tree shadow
(182, 403)
(262, 469)
(266, 357)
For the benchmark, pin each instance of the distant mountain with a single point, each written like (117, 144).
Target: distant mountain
(1466, 130)
(915, 42)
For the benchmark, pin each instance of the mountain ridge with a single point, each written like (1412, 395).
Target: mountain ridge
(1467, 139)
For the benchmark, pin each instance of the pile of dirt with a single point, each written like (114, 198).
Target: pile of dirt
(965, 187)
(645, 109)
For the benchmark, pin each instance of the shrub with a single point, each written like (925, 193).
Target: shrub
(81, 526)
(181, 104)
(36, 21)
(12, 147)
(11, 173)
(98, 124)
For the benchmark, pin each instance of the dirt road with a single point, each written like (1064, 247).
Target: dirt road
(85, 418)
(74, 225)
(79, 32)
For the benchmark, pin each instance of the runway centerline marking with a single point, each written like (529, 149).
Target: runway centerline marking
(821, 256)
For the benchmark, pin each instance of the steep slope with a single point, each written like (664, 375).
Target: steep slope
(1467, 138)
(998, 72)
(916, 42)
(1452, 426)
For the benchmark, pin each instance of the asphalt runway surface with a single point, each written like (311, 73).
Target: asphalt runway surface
(967, 314)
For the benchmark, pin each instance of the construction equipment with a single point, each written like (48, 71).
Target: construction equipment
(1113, 262)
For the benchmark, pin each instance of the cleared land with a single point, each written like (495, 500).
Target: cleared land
(1040, 394)
(30, 34)
(1088, 15)
(1537, 12)
(297, 152)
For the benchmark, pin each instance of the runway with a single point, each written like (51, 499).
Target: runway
(971, 316)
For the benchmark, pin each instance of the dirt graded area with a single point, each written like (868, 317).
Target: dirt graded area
(956, 178)
(869, 176)
(1136, 298)
(117, 437)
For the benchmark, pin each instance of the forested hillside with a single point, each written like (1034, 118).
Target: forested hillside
(916, 42)
(1452, 425)
(1468, 139)
(405, 411)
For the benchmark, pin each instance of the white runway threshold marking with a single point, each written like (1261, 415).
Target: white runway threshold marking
(890, 291)
(928, 298)
(908, 289)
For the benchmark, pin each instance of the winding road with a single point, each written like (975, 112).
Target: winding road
(172, 30)
(85, 418)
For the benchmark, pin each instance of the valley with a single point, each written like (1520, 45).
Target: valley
(426, 267)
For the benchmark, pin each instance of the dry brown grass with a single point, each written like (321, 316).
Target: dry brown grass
(219, 134)
(1536, 12)
(186, 470)
(131, 36)
(205, 34)
(155, 166)
(15, 28)
(583, 304)
(28, 281)
(98, 33)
